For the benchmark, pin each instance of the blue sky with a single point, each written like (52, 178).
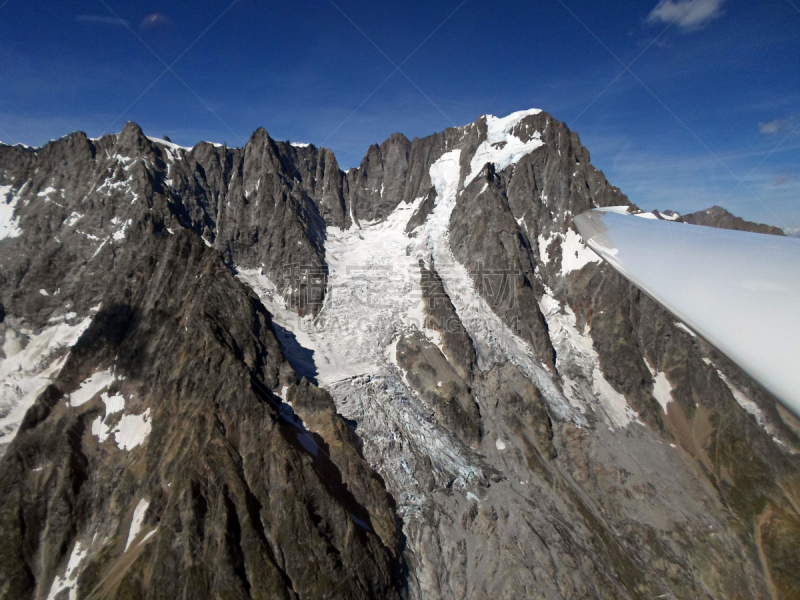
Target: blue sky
(707, 113)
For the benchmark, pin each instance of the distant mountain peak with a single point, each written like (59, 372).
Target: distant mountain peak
(717, 216)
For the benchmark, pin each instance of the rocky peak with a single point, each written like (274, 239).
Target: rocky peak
(131, 140)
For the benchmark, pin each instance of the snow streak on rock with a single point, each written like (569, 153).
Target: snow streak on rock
(751, 407)
(136, 521)
(579, 366)
(69, 580)
(574, 253)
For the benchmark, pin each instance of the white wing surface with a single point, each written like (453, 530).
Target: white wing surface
(738, 290)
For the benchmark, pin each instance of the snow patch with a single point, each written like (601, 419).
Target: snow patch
(100, 429)
(544, 242)
(47, 191)
(662, 388)
(119, 234)
(148, 535)
(9, 221)
(575, 254)
(100, 247)
(74, 217)
(114, 403)
(616, 406)
(172, 147)
(69, 316)
(28, 368)
(132, 430)
(91, 386)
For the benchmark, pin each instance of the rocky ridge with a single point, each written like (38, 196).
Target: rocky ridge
(716, 216)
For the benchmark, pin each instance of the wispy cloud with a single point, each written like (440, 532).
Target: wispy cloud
(775, 126)
(100, 19)
(688, 15)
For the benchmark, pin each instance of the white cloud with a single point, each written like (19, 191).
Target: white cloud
(770, 127)
(775, 126)
(689, 15)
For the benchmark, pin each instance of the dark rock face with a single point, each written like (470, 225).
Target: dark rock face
(442, 317)
(430, 373)
(716, 216)
(485, 236)
(546, 431)
(238, 505)
(379, 184)
(423, 212)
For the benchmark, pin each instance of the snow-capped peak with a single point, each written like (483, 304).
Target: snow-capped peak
(498, 127)
(170, 145)
(501, 147)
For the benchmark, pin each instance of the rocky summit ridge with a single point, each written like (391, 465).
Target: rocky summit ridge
(245, 373)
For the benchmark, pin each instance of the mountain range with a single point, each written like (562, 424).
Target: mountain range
(246, 373)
